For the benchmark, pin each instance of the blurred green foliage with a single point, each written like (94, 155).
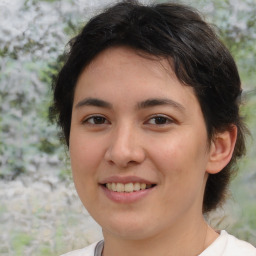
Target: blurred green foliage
(30, 59)
(20, 241)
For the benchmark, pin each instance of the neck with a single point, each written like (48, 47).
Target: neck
(186, 239)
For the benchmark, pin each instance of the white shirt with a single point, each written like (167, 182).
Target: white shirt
(224, 245)
(228, 245)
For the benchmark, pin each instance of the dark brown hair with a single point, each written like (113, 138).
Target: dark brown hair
(199, 59)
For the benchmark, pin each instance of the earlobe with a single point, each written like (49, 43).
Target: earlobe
(221, 150)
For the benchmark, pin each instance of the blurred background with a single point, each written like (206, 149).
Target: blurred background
(40, 213)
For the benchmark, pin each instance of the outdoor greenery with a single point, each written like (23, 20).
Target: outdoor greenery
(33, 36)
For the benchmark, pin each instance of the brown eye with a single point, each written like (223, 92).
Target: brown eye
(96, 120)
(160, 120)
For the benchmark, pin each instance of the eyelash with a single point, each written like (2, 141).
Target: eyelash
(94, 118)
(100, 120)
(160, 118)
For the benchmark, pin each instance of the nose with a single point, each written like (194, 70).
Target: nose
(125, 148)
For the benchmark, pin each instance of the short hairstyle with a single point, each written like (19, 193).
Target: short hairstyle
(199, 59)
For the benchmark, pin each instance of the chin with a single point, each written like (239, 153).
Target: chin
(135, 229)
(128, 234)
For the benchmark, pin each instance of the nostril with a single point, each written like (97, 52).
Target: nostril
(132, 162)
(123, 152)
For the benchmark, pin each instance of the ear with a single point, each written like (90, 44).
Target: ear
(221, 150)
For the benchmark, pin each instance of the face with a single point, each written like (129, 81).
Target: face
(138, 145)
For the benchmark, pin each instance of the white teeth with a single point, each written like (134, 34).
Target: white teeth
(142, 186)
(128, 187)
(136, 186)
(113, 187)
(119, 187)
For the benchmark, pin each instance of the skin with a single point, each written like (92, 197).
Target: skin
(123, 138)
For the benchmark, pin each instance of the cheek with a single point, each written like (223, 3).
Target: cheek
(83, 154)
(84, 162)
(181, 156)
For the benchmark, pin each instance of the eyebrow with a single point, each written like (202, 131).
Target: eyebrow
(160, 102)
(141, 105)
(93, 102)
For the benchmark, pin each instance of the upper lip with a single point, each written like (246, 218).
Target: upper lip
(125, 179)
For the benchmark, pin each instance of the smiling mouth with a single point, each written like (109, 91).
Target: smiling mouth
(128, 187)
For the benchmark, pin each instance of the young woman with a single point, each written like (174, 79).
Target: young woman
(148, 101)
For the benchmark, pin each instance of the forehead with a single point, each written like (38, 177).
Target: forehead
(129, 58)
(125, 70)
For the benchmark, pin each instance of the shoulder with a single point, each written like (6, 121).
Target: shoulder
(226, 245)
(87, 251)
(238, 247)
